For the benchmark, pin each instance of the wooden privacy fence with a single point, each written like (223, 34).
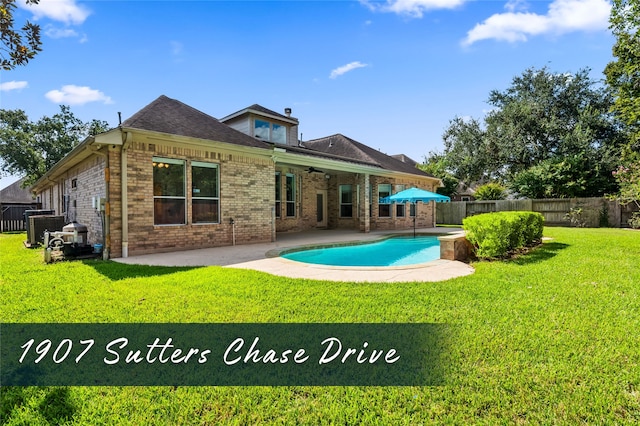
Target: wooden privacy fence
(12, 217)
(596, 212)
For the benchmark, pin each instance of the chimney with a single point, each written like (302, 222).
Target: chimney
(287, 112)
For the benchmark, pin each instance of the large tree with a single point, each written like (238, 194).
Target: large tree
(436, 165)
(540, 124)
(623, 73)
(17, 45)
(30, 149)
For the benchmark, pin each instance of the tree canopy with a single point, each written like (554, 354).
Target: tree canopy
(30, 149)
(17, 46)
(623, 73)
(544, 126)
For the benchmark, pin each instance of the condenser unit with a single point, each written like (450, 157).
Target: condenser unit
(39, 224)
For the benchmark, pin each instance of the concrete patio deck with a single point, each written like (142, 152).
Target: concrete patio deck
(256, 257)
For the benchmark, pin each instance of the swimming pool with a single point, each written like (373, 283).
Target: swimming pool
(396, 251)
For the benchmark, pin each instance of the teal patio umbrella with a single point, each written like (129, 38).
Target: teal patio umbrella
(413, 195)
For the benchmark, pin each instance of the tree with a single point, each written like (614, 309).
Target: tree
(17, 46)
(30, 149)
(628, 177)
(542, 121)
(490, 191)
(436, 165)
(571, 176)
(623, 73)
(465, 151)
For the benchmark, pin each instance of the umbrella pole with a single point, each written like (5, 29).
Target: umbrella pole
(414, 219)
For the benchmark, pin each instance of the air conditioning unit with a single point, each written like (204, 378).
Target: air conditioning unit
(29, 213)
(39, 224)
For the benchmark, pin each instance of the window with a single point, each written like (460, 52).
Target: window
(169, 198)
(384, 209)
(278, 133)
(400, 207)
(346, 201)
(271, 132)
(412, 210)
(278, 196)
(291, 195)
(205, 201)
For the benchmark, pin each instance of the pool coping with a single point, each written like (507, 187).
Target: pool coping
(253, 256)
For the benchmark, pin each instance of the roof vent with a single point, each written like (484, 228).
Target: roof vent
(287, 112)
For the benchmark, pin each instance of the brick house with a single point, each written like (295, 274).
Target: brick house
(174, 178)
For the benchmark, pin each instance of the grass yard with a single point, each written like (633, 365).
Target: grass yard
(550, 338)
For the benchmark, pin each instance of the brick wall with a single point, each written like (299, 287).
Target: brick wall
(88, 179)
(246, 195)
(71, 196)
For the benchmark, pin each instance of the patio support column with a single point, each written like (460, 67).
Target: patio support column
(365, 220)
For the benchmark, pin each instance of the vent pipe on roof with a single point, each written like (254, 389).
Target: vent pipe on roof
(287, 112)
(119, 118)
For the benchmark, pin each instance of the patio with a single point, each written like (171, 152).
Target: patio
(257, 257)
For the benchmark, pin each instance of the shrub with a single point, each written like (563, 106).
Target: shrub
(490, 191)
(494, 235)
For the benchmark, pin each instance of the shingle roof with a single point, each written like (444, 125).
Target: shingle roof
(170, 116)
(346, 147)
(15, 194)
(405, 159)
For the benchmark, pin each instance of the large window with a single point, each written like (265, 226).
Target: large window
(384, 209)
(169, 199)
(205, 207)
(346, 201)
(291, 195)
(278, 195)
(271, 132)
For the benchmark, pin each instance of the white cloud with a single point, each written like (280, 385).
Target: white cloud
(53, 32)
(67, 11)
(13, 85)
(515, 5)
(346, 68)
(77, 95)
(562, 17)
(412, 8)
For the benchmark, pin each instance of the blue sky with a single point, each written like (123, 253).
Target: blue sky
(390, 74)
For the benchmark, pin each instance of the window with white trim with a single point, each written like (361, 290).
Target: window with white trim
(278, 195)
(346, 201)
(400, 207)
(291, 195)
(169, 193)
(384, 209)
(269, 131)
(205, 192)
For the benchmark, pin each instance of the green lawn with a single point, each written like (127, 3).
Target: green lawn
(550, 338)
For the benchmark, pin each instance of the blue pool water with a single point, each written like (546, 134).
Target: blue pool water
(397, 251)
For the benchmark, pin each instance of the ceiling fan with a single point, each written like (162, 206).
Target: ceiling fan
(314, 170)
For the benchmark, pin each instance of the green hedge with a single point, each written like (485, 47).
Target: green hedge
(496, 234)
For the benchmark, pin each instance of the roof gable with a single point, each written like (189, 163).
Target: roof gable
(16, 194)
(260, 110)
(346, 147)
(166, 115)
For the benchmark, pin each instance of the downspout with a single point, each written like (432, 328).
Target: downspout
(106, 214)
(126, 141)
